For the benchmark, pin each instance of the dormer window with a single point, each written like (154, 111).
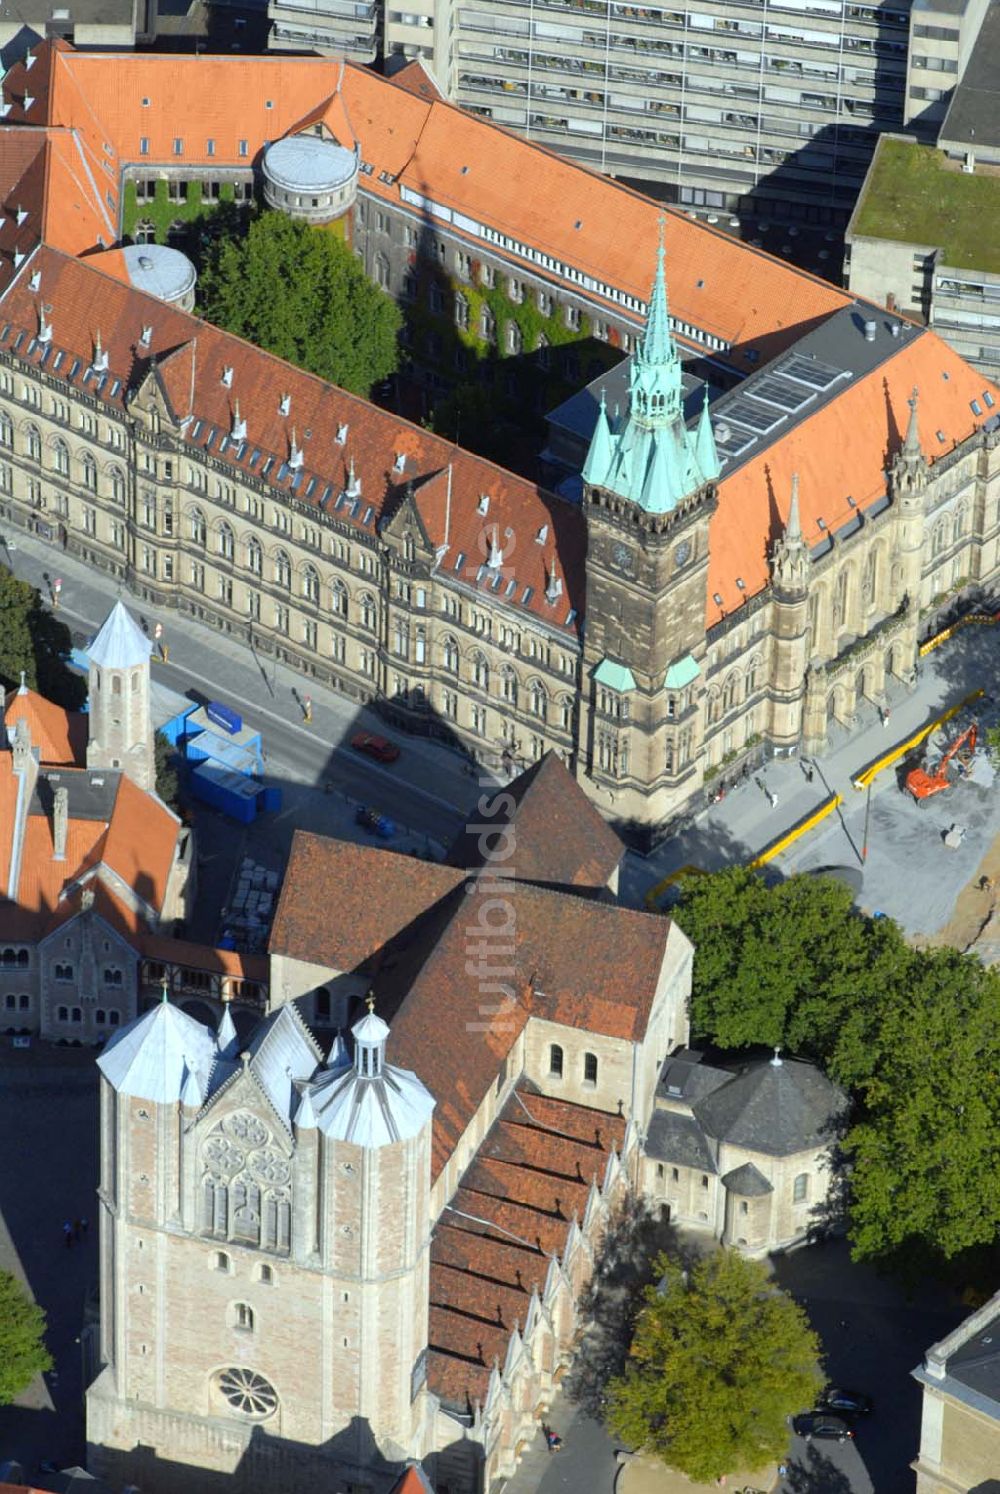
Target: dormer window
(483, 506)
(342, 434)
(285, 404)
(227, 377)
(399, 465)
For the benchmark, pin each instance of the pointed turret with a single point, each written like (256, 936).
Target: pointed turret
(598, 463)
(909, 465)
(163, 1056)
(227, 1037)
(705, 453)
(664, 483)
(372, 1103)
(790, 557)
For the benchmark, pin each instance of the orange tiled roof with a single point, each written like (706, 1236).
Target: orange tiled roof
(604, 230)
(142, 836)
(60, 735)
(188, 357)
(841, 451)
(493, 1243)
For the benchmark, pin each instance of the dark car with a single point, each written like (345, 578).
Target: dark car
(845, 1402)
(822, 1424)
(380, 748)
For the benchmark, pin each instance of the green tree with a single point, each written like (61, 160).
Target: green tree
(719, 1360)
(925, 1152)
(787, 964)
(165, 759)
(299, 292)
(32, 639)
(23, 1354)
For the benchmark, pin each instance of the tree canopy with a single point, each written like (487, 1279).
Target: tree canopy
(719, 1360)
(32, 639)
(23, 1354)
(914, 1035)
(299, 292)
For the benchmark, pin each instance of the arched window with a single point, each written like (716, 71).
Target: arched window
(538, 699)
(225, 542)
(368, 611)
(338, 598)
(310, 584)
(555, 1061)
(255, 556)
(246, 1211)
(449, 651)
(508, 685)
(729, 693)
(196, 526)
(515, 339)
(265, 1274)
(88, 472)
(60, 457)
(871, 577)
(282, 569)
(958, 525)
(220, 1260)
(32, 443)
(243, 1316)
(116, 481)
(714, 705)
(800, 1188)
(940, 538)
(753, 669)
(566, 712)
(461, 311)
(145, 232)
(590, 1068)
(487, 325)
(480, 671)
(6, 430)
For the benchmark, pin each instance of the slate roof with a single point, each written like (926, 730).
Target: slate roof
(678, 1139)
(556, 835)
(120, 642)
(747, 1181)
(158, 1056)
(494, 1241)
(684, 1077)
(776, 1108)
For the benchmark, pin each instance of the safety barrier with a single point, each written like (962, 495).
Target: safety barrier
(791, 836)
(652, 898)
(963, 622)
(868, 775)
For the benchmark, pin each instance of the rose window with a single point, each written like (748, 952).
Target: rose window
(247, 1392)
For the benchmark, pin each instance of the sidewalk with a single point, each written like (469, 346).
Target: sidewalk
(744, 823)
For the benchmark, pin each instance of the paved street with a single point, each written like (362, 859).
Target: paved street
(900, 832)
(48, 1097)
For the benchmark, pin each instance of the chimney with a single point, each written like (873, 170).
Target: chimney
(60, 823)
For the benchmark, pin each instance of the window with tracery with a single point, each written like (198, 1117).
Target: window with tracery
(246, 1192)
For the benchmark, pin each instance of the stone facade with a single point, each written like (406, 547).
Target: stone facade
(960, 1422)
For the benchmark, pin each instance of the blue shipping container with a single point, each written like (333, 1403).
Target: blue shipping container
(222, 715)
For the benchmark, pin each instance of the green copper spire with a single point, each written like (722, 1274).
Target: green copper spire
(595, 468)
(705, 453)
(657, 346)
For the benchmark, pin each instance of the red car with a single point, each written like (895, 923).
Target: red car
(380, 748)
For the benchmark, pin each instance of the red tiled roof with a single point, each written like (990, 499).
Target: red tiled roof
(410, 928)
(553, 833)
(840, 452)
(415, 78)
(142, 837)
(189, 356)
(429, 147)
(493, 1243)
(60, 735)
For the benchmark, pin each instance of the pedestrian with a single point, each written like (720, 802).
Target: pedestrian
(809, 775)
(782, 1470)
(772, 799)
(68, 1234)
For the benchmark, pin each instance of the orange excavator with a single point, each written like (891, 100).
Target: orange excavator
(923, 785)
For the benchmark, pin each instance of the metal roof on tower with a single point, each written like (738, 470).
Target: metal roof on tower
(120, 643)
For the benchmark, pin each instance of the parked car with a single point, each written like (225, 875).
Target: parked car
(822, 1425)
(380, 748)
(845, 1402)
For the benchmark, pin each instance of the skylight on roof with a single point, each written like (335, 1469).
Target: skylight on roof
(459, 560)
(988, 399)
(975, 407)
(940, 435)
(717, 599)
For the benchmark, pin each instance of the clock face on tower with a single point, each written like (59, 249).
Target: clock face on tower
(682, 554)
(623, 559)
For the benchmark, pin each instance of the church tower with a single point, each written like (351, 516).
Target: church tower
(649, 494)
(121, 731)
(265, 1237)
(790, 567)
